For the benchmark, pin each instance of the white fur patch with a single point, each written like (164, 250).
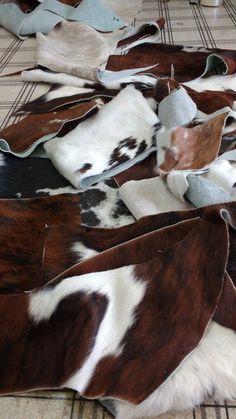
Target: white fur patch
(58, 191)
(61, 78)
(82, 251)
(124, 294)
(64, 91)
(218, 83)
(210, 370)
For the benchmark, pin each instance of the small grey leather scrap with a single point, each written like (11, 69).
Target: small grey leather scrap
(202, 192)
(177, 109)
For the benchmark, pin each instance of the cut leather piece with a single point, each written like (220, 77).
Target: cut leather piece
(213, 185)
(143, 31)
(75, 48)
(60, 95)
(146, 33)
(56, 98)
(182, 63)
(202, 192)
(190, 148)
(102, 147)
(154, 285)
(51, 12)
(151, 196)
(22, 138)
(135, 394)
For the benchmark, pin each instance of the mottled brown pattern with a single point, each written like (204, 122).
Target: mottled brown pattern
(183, 267)
(24, 226)
(193, 148)
(22, 135)
(211, 101)
(45, 355)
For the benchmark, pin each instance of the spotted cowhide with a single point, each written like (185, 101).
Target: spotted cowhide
(111, 314)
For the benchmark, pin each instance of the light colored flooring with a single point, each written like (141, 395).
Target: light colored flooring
(185, 24)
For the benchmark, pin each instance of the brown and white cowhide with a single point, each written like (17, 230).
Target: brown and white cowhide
(111, 315)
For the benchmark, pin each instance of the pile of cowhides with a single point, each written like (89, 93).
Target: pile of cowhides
(121, 281)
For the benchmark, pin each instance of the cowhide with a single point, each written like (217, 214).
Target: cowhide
(119, 135)
(132, 314)
(176, 61)
(22, 138)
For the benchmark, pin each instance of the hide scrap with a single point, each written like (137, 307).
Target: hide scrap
(42, 125)
(169, 275)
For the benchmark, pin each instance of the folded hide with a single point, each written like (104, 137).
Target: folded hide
(182, 63)
(150, 196)
(117, 137)
(22, 138)
(97, 313)
(51, 12)
(63, 245)
(75, 48)
(212, 185)
(59, 95)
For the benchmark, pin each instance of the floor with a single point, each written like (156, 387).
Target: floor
(185, 24)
